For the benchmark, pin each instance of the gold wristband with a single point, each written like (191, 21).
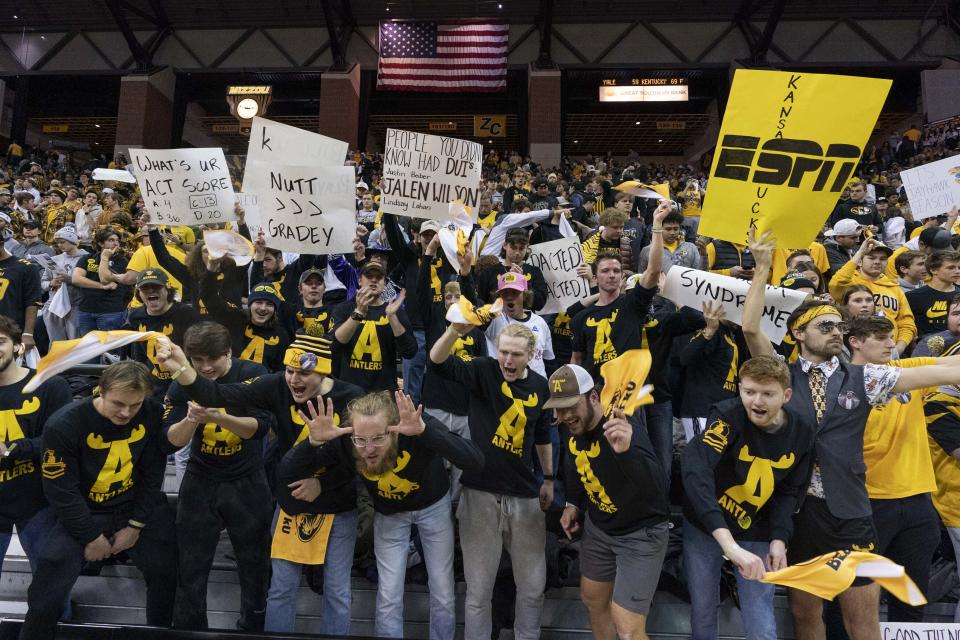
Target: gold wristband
(176, 374)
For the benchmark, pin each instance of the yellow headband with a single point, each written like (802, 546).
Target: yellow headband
(814, 312)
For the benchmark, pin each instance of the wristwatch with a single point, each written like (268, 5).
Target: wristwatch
(359, 317)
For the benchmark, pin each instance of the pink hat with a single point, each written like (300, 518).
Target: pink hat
(512, 280)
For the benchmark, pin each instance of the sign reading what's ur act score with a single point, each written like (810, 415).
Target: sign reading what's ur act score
(423, 174)
(558, 260)
(788, 145)
(184, 186)
(934, 188)
(692, 287)
(305, 209)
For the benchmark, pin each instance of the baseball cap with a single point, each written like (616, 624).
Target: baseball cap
(796, 281)
(567, 384)
(152, 276)
(30, 222)
(371, 267)
(936, 238)
(845, 227)
(512, 280)
(313, 271)
(882, 247)
(362, 185)
(430, 225)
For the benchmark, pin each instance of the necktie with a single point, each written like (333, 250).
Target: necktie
(818, 392)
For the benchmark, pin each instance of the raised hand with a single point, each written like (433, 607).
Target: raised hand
(320, 423)
(762, 247)
(411, 418)
(713, 313)
(618, 431)
(169, 356)
(394, 306)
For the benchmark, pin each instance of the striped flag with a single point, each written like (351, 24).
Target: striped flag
(439, 57)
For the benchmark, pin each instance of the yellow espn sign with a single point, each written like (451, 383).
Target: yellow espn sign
(489, 126)
(789, 144)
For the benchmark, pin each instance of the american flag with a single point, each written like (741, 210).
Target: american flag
(432, 56)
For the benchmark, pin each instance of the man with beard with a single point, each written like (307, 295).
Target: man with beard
(499, 507)
(103, 473)
(306, 377)
(837, 397)
(400, 456)
(162, 313)
(613, 469)
(224, 486)
(370, 333)
(21, 494)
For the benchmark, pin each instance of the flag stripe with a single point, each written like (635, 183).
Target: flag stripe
(430, 56)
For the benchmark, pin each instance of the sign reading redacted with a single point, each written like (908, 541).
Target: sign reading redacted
(184, 186)
(558, 260)
(423, 174)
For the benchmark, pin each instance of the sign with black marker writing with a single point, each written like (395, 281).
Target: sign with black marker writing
(558, 260)
(184, 186)
(423, 174)
(273, 143)
(250, 203)
(788, 146)
(933, 188)
(692, 287)
(305, 209)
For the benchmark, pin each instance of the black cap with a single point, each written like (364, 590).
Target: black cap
(935, 238)
(152, 276)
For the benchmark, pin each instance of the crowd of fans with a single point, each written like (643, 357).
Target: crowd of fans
(326, 414)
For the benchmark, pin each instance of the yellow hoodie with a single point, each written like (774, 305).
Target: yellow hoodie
(887, 294)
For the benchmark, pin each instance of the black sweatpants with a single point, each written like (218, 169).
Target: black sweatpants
(244, 507)
(61, 560)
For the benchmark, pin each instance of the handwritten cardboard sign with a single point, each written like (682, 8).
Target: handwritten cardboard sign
(184, 186)
(558, 260)
(692, 287)
(934, 188)
(275, 143)
(305, 209)
(424, 173)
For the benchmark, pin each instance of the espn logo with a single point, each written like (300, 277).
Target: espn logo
(786, 161)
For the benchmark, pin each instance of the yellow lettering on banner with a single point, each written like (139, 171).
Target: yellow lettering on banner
(789, 142)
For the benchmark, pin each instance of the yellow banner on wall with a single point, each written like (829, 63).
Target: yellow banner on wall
(788, 145)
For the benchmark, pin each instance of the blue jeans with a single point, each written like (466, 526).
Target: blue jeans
(660, 429)
(703, 558)
(32, 534)
(285, 583)
(413, 368)
(391, 539)
(87, 322)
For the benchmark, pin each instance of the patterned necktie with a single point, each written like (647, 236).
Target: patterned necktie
(819, 392)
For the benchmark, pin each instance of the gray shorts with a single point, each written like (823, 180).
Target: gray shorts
(632, 562)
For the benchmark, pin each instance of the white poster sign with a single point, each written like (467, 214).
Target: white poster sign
(933, 189)
(424, 173)
(692, 287)
(184, 186)
(305, 209)
(558, 260)
(273, 143)
(250, 203)
(919, 631)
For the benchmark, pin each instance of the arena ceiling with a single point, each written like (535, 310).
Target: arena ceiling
(48, 15)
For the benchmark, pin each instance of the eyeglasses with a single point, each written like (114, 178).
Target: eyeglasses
(375, 441)
(827, 327)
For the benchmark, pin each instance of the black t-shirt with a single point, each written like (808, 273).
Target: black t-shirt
(506, 419)
(623, 492)
(19, 288)
(101, 300)
(369, 359)
(304, 320)
(217, 453)
(487, 283)
(739, 477)
(418, 479)
(21, 493)
(91, 465)
(930, 308)
(173, 324)
(561, 333)
(861, 212)
(711, 369)
(601, 333)
(270, 393)
(543, 202)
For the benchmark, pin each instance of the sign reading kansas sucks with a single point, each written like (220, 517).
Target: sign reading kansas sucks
(788, 146)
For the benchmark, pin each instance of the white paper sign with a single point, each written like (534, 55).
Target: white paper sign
(919, 631)
(558, 260)
(274, 144)
(305, 209)
(692, 287)
(934, 188)
(113, 175)
(184, 186)
(424, 173)
(250, 203)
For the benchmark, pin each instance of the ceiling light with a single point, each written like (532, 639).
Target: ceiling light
(661, 140)
(97, 126)
(499, 6)
(489, 141)
(576, 142)
(388, 9)
(637, 122)
(16, 17)
(43, 37)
